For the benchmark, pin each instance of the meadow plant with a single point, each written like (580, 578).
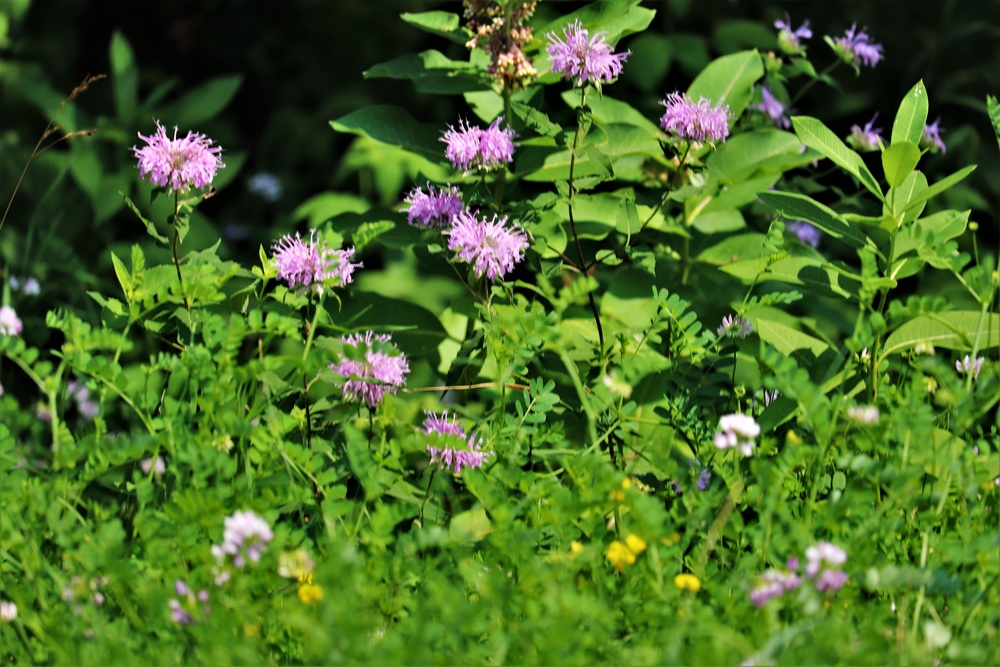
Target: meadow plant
(571, 304)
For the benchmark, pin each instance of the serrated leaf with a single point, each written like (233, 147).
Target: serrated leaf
(535, 119)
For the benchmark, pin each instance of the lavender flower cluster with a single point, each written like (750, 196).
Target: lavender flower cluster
(311, 263)
(373, 367)
(178, 163)
(245, 536)
(583, 57)
(823, 563)
(463, 450)
(737, 431)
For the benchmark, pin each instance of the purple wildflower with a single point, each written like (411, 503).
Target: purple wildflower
(970, 366)
(788, 39)
(30, 286)
(773, 108)
(457, 457)
(81, 394)
(265, 185)
(832, 580)
(157, 466)
(492, 247)
(471, 147)
(737, 430)
(704, 477)
(824, 552)
(771, 584)
(434, 208)
(373, 368)
(243, 529)
(304, 263)
(808, 234)
(178, 163)
(866, 138)
(692, 121)
(584, 58)
(931, 137)
(734, 327)
(10, 323)
(855, 47)
(178, 614)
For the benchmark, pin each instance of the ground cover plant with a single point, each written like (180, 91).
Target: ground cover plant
(683, 378)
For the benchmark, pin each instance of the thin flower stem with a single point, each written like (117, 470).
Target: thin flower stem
(812, 82)
(427, 495)
(177, 261)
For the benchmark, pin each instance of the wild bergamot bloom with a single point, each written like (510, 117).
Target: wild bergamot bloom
(492, 247)
(865, 138)
(582, 57)
(178, 164)
(856, 47)
(774, 109)
(246, 534)
(737, 430)
(434, 208)
(471, 147)
(373, 367)
(788, 39)
(303, 263)
(460, 450)
(695, 121)
(931, 137)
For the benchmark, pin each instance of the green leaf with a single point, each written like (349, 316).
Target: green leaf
(741, 156)
(150, 226)
(470, 526)
(123, 277)
(993, 111)
(124, 78)
(205, 102)
(819, 275)
(628, 217)
(535, 119)
(814, 134)
(954, 330)
(431, 72)
(899, 160)
(794, 206)
(911, 116)
(393, 125)
(899, 198)
(442, 24)
(729, 80)
(616, 19)
(601, 161)
(787, 340)
(939, 187)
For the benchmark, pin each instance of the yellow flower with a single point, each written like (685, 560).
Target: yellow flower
(619, 496)
(575, 548)
(310, 593)
(636, 544)
(626, 484)
(295, 564)
(687, 582)
(620, 555)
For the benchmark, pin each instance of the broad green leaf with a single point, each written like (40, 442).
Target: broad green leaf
(926, 238)
(794, 206)
(206, 101)
(993, 111)
(729, 80)
(955, 330)
(470, 526)
(431, 72)
(393, 125)
(124, 279)
(618, 142)
(787, 340)
(535, 119)
(740, 194)
(124, 78)
(150, 227)
(911, 116)
(628, 218)
(939, 187)
(899, 198)
(443, 24)
(614, 19)
(609, 111)
(762, 150)
(814, 134)
(819, 275)
(899, 160)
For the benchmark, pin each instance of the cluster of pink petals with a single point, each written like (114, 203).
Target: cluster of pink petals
(175, 163)
(823, 563)
(304, 263)
(695, 121)
(788, 39)
(774, 109)
(434, 208)
(469, 455)
(245, 534)
(10, 323)
(737, 431)
(583, 57)
(865, 138)
(771, 584)
(734, 326)
(970, 366)
(931, 137)
(383, 368)
(492, 247)
(471, 147)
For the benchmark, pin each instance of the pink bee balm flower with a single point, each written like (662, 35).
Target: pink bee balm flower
(470, 147)
(178, 164)
(931, 137)
(434, 208)
(771, 584)
(304, 263)
(373, 367)
(693, 121)
(456, 457)
(492, 247)
(865, 138)
(584, 58)
(788, 39)
(856, 47)
(773, 108)
(824, 552)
